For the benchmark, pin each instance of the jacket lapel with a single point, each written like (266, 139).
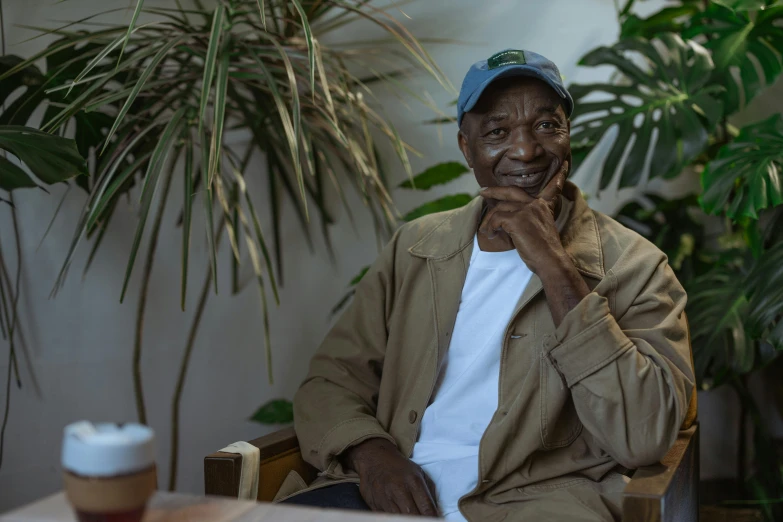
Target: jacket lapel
(448, 247)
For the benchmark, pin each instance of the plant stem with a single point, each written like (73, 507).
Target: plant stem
(183, 370)
(138, 390)
(7, 408)
(742, 441)
(627, 8)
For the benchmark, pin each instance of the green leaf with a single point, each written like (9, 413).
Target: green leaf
(186, 218)
(13, 177)
(308, 39)
(262, 243)
(120, 40)
(208, 204)
(148, 70)
(436, 175)
(737, 41)
(132, 23)
(765, 286)
(670, 225)
(216, 144)
(747, 175)
(668, 19)
(210, 62)
(262, 12)
(670, 96)
(343, 302)
(278, 411)
(742, 5)
(91, 129)
(449, 202)
(717, 307)
(359, 276)
(151, 178)
(291, 132)
(50, 158)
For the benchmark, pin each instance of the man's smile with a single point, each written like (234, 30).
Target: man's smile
(523, 178)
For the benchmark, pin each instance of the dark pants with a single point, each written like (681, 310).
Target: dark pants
(339, 496)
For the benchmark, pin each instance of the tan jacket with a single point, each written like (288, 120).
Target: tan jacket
(611, 385)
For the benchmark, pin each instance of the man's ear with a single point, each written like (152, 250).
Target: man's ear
(462, 141)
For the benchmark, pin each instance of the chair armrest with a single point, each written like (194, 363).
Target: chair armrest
(668, 491)
(279, 454)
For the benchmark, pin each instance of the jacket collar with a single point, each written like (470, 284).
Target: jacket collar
(577, 225)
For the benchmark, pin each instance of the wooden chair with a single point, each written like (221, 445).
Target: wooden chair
(665, 492)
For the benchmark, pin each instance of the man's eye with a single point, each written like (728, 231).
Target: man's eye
(496, 132)
(547, 125)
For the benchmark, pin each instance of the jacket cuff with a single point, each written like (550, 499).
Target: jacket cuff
(347, 434)
(588, 339)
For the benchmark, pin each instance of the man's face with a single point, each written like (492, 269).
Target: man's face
(518, 134)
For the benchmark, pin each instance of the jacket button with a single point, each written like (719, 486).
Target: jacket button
(412, 416)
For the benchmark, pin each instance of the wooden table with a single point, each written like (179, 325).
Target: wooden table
(176, 507)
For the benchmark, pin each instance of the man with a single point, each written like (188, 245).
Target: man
(509, 360)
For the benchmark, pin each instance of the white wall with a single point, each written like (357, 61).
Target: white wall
(80, 343)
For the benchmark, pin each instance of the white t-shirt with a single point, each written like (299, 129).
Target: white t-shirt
(466, 393)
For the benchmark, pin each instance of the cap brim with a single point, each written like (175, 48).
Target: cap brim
(511, 72)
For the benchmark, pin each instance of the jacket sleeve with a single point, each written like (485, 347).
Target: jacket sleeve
(335, 407)
(630, 374)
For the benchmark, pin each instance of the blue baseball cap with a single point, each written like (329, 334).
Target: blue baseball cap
(507, 64)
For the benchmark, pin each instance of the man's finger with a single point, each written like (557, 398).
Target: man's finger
(485, 228)
(404, 504)
(424, 501)
(555, 185)
(506, 194)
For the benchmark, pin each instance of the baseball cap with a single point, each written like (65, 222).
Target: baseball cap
(506, 64)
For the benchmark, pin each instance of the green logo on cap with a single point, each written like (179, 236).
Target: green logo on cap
(510, 57)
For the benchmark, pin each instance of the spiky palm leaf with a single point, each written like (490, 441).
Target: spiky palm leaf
(177, 79)
(219, 70)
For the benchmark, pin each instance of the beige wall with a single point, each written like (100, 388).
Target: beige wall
(80, 343)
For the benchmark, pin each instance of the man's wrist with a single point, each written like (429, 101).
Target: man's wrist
(554, 267)
(356, 456)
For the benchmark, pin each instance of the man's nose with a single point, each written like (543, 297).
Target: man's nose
(524, 147)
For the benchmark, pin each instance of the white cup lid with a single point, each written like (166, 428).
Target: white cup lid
(105, 449)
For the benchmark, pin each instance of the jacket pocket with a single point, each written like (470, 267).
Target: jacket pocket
(560, 424)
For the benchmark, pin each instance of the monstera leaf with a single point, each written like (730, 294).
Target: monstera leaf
(667, 20)
(671, 97)
(746, 176)
(742, 5)
(51, 158)
(670, 225)
(443, 204)
(439, 174)
(277, 411)
(737, 39)
(765, 286)
(717, 307)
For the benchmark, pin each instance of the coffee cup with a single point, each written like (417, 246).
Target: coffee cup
(109, 470)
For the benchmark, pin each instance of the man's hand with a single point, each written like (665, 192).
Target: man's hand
(528, 221)
(389, 481)
(530, 224)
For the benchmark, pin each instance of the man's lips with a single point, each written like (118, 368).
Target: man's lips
(529, 177)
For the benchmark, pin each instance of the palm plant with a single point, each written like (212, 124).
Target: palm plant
(681, 73)
(145, 98)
